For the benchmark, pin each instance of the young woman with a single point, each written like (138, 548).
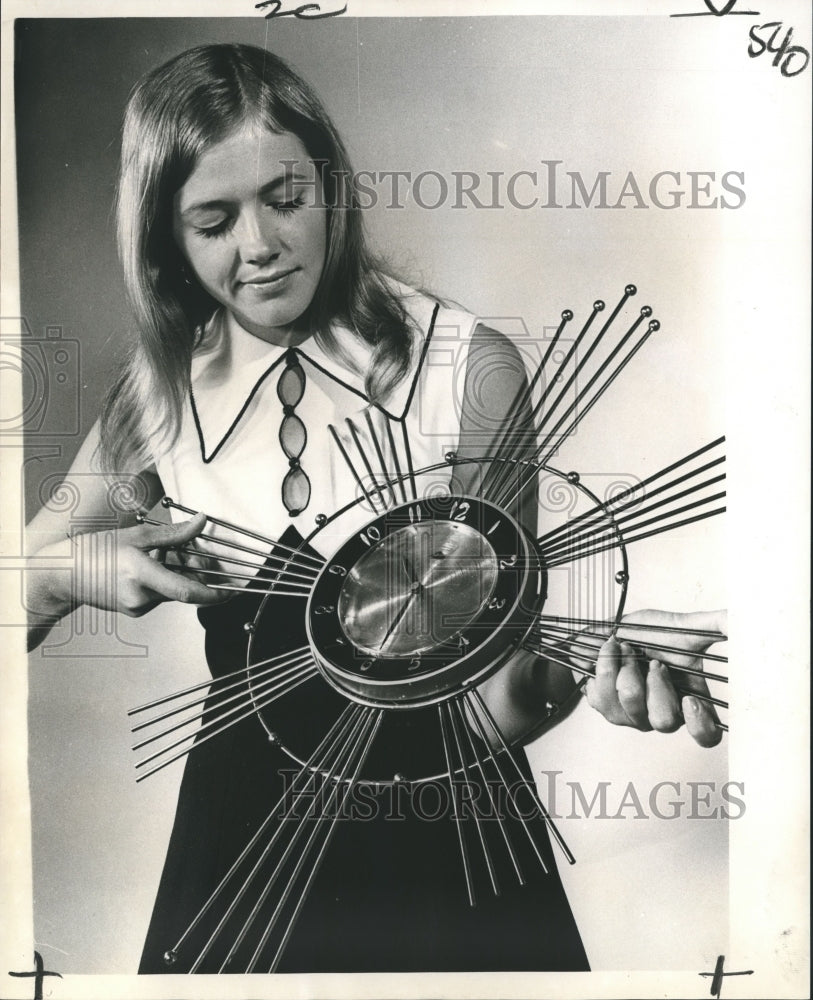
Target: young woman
(263, 322)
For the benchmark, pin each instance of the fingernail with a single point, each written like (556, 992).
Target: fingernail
(691, 705)
(655, 665)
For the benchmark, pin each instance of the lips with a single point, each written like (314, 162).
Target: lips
(269, 279)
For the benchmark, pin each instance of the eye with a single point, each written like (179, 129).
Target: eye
(208, 232)
(287, 207)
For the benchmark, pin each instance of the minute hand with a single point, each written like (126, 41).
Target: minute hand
(416, 589)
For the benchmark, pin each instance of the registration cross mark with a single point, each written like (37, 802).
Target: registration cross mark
(37, 974)
(718, 975)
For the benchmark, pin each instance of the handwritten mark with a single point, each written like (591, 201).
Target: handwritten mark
(714, 11)
(718, 975)
(39, 973)
(305, 11)
(783, 54)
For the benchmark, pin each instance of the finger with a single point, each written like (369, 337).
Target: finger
(174, 586)
(705, 621)
(631, 688)
(662, 702)
(592, 639)
(600, 689)
(661, 626)
(151, 536)
(701, 723)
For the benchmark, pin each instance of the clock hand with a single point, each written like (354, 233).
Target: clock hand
(416, 588)
(408, 562)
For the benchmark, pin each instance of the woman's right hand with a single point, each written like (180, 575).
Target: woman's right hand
(119, 570)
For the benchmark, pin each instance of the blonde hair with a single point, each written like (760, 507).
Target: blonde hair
(175, 113)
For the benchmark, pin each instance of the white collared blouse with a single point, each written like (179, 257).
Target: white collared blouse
(228, 460)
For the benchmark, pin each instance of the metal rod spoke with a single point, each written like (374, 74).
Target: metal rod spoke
(215, 680)
(638, 538)
(523, 398)
(461, 839)
(494, 805)
(319, 755)
(366, 461)
(586, 544)
(380, 456)
(587, 529)
(210, 696)
(244, 697)
(167, 502)
(323, 754)
(542, 649)
(317, 804)
(545, 450)
(475, 695)
(305, 589)
(408, 456)
(463, 773)
(242, 548)
(310, 575)
(615, 506)
(312, 672)
(504, 781)
(649, 645)
(376, 722)
(257, 590)
(651, 328)
(503, 482)
(349, 463)
(612, 624)
(398, 474)
(695, 671)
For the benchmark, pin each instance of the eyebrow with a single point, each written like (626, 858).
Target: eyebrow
(266, 189)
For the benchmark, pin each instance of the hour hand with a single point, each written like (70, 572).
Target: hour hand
(408, 565)
(396, 621)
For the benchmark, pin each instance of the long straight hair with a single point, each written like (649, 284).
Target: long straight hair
(175, 114)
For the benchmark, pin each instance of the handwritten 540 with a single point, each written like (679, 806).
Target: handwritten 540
(784, 54)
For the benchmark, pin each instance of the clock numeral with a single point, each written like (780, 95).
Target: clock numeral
(415, 513)
(371, 535)
(337, 570)
(496, 604)
(325, 609)
(366, 665)
(494, 527)
(508, 561)
(414, 663)
(460, 510)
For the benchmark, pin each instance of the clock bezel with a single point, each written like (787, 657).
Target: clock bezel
(481, 645)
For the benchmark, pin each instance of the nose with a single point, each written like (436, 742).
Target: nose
(257, 237)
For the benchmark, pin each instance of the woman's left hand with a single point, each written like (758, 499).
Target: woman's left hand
(634, 686)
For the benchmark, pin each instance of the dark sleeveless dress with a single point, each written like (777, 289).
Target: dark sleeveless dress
(390, 895)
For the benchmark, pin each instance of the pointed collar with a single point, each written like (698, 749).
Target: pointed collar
(230, 366)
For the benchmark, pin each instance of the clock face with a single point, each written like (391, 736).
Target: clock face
(425, 599)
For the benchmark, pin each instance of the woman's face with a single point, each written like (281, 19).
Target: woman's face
(254, 230)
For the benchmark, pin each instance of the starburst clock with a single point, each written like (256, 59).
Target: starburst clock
(412, 595)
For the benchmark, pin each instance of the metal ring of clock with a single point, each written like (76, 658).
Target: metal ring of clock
(423, 601)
